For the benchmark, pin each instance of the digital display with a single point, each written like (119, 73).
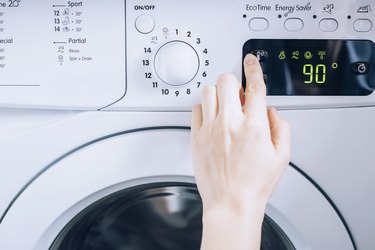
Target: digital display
(315, 67)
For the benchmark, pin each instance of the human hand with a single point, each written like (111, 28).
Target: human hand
(240, 149)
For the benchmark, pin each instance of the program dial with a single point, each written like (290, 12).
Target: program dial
(176, 63)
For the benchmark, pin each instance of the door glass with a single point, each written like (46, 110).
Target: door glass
(150, 217)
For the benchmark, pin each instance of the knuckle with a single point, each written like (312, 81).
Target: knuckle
(226, 79)
(223, 134)
(256, 85)
(223, 123)
(208, 91)
(256, 68)
(254, 124)
(255, 129)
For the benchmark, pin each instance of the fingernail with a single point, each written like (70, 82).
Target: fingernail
(250, 59)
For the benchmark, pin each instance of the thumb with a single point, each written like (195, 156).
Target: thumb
(280, 134)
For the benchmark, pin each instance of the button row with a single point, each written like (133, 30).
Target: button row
(145, 24)
(296, 24)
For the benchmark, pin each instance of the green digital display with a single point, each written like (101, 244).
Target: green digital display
(312, 65)
(317, 74)
(315, 67)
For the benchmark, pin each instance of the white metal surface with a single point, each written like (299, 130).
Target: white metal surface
(327, 144)
(101, 168)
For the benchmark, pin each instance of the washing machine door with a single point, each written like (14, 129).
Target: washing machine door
(135, 190)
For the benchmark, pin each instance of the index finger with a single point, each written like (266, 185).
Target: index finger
(255, 94)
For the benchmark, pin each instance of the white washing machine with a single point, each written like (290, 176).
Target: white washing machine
(94, 120)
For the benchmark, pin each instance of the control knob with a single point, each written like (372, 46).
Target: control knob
(176, 63)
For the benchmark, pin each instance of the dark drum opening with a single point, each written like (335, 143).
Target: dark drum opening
(149, 217)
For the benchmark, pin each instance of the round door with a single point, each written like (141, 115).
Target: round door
(135, 190)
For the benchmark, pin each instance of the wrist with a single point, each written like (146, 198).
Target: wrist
(236, 204)
(232, 227)
(250, 211)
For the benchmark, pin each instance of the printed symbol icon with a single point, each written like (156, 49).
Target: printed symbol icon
(321, 54)
(154, 40)
(335, 65)
(66, 29)
(295, 55)
(282, 55)
(364, 9)
(61, 49)
(328, 8)
(362, 68)
(66, 12)
(61, 59)
(308, 55)
(66, 21)
(166, 32)
(261, 55)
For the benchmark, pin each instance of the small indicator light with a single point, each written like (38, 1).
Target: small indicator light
(282, 55)
(321, 54)
(295, 55)
(308, 55)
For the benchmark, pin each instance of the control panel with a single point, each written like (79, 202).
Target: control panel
(315, 67)
(147, 55)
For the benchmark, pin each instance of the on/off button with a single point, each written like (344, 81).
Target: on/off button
(145, 24)
(361, 68)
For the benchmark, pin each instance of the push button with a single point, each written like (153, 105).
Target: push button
(361, 68)
(293, 24)
(262, 55)
(328, 25)
(362, 25)
(145, 24)
(258, 24)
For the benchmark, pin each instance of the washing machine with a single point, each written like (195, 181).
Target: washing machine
(95, 101)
